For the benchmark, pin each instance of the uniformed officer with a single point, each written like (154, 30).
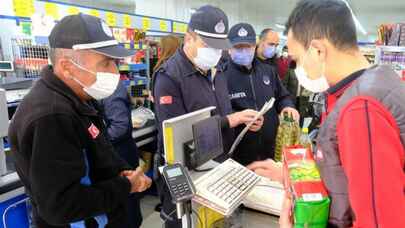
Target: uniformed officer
(252, 83)
(69, 168)
(267, 47)
(189, 81)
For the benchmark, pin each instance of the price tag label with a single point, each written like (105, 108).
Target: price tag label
(52, 10)
(94, 13)
(111, 19)
(183, 28)
(23, 8)
(127, 21)
(312, 197)
(146, 23)
(26, 28)
(163, 26)
(73, 10)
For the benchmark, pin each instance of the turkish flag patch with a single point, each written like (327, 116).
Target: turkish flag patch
(93, 130)
(166, 100)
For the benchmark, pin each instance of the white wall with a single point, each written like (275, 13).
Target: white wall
(6, 7)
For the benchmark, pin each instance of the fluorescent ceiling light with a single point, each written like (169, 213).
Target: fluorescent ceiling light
(280, 26)
(356, 21)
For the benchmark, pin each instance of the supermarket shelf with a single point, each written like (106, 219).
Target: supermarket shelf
(133, 67)
(391, 48)
(382, 51)
(133, 46)
(143, 131)
(14, 104)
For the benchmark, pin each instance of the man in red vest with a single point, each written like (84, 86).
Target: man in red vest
(360, 147)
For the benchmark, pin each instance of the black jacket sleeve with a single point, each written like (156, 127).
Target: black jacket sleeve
(168, 98)
(117, 114)
(57, 168)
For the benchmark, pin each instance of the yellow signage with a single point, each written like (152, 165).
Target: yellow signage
(179, 27)
(52, 10)
(127, 21)
(183, 28)
(23, 8)
(73, 10)
(94, 13)
(111, 18)
(163, 26)
(146, 23)
(175, 29)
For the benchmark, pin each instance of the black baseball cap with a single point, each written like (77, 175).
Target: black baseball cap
(242, 33)
(211, 24)
(85, 32)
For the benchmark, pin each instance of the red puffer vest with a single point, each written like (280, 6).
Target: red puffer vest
(381, 83)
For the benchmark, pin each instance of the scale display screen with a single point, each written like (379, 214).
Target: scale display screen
(6, 66)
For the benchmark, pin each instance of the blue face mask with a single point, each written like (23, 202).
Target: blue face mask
(243, 56)
(269, 52)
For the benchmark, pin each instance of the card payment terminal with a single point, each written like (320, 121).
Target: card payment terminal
(179, 183)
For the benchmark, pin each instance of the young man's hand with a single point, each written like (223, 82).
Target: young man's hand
(268, 168)
(285, 220)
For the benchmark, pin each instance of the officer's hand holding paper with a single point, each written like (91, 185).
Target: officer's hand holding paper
(246, 117)
(259, 115)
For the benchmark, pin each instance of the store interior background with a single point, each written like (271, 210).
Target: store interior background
(260, 13)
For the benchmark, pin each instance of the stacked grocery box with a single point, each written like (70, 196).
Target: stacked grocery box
(311, 201)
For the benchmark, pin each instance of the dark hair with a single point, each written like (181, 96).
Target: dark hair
(328, 19)
(264, 33)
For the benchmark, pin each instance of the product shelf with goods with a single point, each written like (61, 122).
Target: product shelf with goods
(392, 55)
(391, 47)
(368, 51)
(29, 58)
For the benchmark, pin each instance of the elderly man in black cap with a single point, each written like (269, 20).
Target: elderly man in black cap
(70, 170)
(191, 80)
(251, 83)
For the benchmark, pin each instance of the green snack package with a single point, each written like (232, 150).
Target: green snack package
(313, 214)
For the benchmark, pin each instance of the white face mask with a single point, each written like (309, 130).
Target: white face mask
(104, 86)
(316, 86)
(207, 58)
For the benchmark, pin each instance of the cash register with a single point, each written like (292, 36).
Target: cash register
(192, 141)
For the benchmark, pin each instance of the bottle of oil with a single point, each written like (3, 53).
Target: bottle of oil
(305, 141)
(287, 135)
(281, 137)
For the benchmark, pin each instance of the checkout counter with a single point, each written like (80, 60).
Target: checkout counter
(255, 204)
